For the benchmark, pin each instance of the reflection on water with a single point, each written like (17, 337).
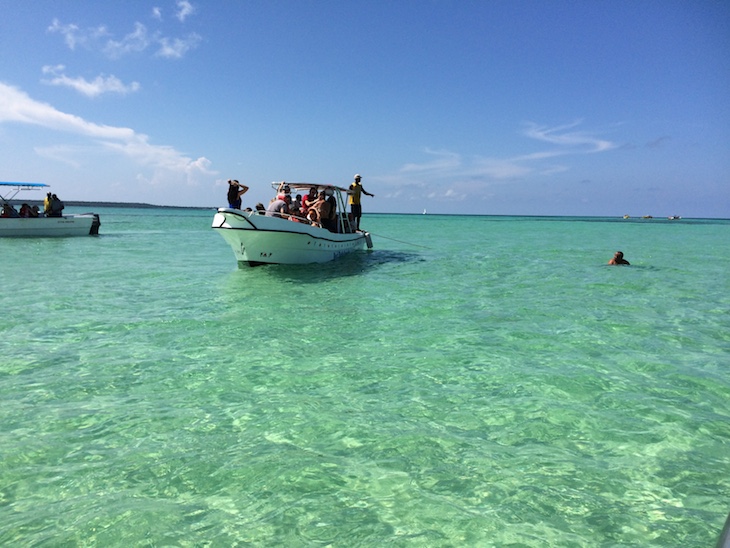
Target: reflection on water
(352, 264)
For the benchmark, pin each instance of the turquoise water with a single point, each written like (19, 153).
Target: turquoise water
(473, 381)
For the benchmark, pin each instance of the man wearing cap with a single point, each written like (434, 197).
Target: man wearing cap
(355, 191)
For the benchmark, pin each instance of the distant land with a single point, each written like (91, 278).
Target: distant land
(133, 205)
(605, 218)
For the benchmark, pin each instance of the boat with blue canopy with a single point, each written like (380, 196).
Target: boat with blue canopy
(31, 221)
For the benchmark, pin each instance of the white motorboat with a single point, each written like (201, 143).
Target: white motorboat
(82, 224)
(259, 237)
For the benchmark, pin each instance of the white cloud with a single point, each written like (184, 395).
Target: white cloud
(73, 36)
(443, 161)
(157, 13)
(498, 168)
(137, 41)
(574, 141)
(175, 48)
(17, 107)
(101, 84)
(452, 176)
(185, 8)
(64, 154)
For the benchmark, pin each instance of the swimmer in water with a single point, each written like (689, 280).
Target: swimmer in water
(618, 258)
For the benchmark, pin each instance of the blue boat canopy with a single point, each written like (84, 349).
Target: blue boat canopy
(29, 185)
(17, 187)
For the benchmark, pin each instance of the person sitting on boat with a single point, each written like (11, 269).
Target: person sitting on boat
(312, 212)
(329, 220)
(235, 191)
(618, 258)
(293, 205)
(35, 211)
(25, 211)
(333, 212)
(308, 200)
(278, 208)
(313, 217)
(321, 209)
(56, 206)
(298, 217)
(260, 207)
(9, 212)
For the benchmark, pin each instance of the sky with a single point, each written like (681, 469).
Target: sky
(494, 107)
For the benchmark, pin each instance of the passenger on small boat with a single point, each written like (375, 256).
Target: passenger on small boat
(308, 200)
(321, 210)
(330, 223)
(279, 207)
(25, 211)
(315, 208)
(9, 212)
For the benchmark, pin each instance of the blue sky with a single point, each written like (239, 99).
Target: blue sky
(454, 106)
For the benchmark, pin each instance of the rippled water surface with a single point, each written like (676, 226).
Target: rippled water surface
(482, 381)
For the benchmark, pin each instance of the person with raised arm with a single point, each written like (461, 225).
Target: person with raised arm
(355, 191)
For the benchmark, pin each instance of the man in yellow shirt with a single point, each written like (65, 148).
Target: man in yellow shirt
(355, 192)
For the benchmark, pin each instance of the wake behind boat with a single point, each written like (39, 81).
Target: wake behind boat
(35, 224)
(263, 237)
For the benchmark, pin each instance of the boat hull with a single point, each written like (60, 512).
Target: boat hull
(34, 227)
(257, 239)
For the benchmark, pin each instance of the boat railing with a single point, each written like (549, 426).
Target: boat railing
(343, 221)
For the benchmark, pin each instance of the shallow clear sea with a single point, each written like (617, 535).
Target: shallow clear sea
(472, 381)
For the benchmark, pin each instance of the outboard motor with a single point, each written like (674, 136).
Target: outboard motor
(94, 231)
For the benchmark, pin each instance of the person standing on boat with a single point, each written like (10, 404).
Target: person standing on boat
(47, 204)
(56, 206)
(355, 192)
(235, 191)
